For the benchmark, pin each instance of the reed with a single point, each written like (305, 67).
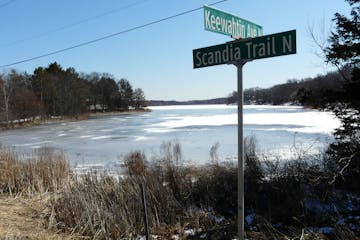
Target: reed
(43, 171)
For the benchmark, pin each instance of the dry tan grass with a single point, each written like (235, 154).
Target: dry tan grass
(22, 219)
(25, 187)
(45, 171)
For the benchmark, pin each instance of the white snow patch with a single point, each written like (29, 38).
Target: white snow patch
(107, 130)
(86, 136)
(190, 232)
(141, 238)
(250, 218)
(141, 138)
(32, 144)
(312, 121)
(158, 130)
(307, 122)
(100, 137)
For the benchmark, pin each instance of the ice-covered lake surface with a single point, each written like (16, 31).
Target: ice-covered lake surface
(105, 140)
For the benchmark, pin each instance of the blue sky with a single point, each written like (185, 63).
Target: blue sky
(158, 58)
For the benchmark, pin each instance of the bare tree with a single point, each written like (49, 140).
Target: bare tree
(139, 98)
(6, 92)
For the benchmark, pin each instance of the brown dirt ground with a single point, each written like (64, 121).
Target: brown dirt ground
(21, 219)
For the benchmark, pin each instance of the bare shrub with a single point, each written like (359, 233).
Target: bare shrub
(100, 208)
(109, 208)
(253, 167)
(216, 188)
(171, 172)
(214, 157)
(160, 182)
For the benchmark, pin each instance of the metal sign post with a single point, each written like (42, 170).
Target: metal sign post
(241, 231)
(240, 101)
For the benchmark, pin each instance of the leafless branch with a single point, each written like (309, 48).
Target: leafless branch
(348, 161)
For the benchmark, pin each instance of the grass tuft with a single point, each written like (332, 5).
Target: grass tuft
(44, 171)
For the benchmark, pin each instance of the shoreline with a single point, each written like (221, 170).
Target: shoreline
(17, 124)
(118, 113)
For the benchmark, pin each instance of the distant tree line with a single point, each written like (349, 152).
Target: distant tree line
(54, 91)
(190, 102)
(314, 92)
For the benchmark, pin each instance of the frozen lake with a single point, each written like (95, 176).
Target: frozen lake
(106, 139)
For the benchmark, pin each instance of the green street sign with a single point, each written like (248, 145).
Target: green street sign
(273, 45)
(228, 24)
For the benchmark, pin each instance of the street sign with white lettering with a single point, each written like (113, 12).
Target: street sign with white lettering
(228, 24)
(273, 45)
